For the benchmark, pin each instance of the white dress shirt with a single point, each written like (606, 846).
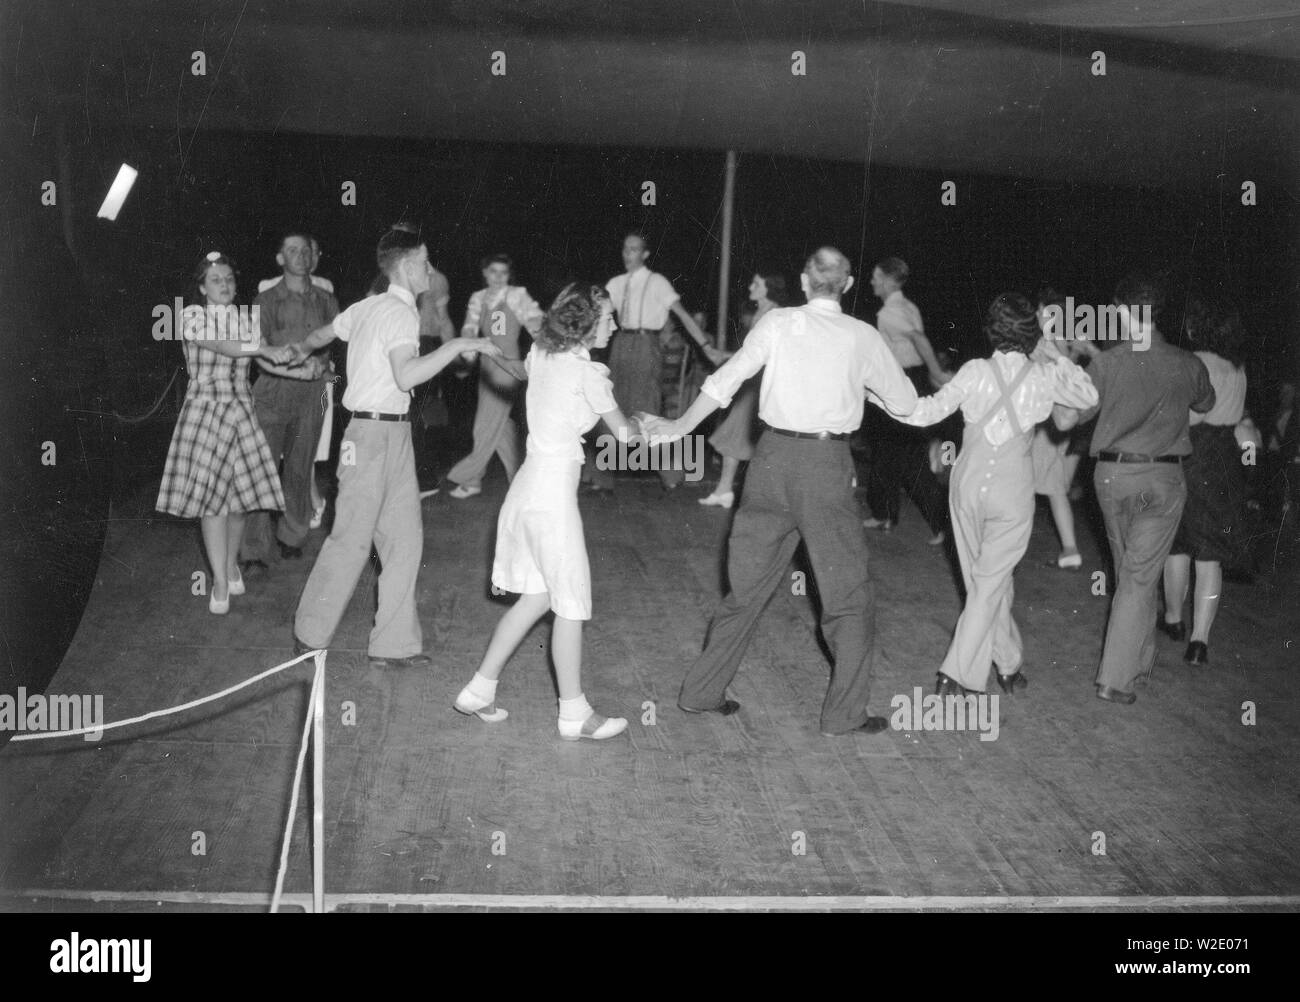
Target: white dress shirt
(817, 365)
(567, 393)
(975, 389)
(642, 299)
(316, 280)
(373, 327)
(896, 319)
(1229, 384)
(517, 300)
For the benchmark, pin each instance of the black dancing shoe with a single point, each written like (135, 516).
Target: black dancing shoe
(725, 709)
(872, 725)
(1011, 683)
(1174, 631)
(1116, 695)
(1198, 654)
(949, 687)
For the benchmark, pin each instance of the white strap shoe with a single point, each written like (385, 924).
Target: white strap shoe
(716, 500)
(596, 727)
(472, 706)
(463, 491)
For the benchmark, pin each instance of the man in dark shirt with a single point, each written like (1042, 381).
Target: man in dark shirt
(1147, 386)
(290, 408)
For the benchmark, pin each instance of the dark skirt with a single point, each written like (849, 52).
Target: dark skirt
(1212, 525)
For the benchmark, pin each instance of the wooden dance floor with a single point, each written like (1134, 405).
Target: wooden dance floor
(1196, 808)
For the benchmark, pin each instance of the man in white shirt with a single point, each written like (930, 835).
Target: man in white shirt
(818, 364)
(378, 501)
(900, 455)
(644, 300)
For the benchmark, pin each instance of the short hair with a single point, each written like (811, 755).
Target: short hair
(1224, 335)
(401, 240)
(640, 235)
(491, 259)
(572, 317)
(828, 272)
(287, 235)
(1139, 289)
(1011, 323)
(895, 268)
(378, 285)
(776, 287)
(209, 260)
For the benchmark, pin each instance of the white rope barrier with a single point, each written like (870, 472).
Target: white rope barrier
(313, 733)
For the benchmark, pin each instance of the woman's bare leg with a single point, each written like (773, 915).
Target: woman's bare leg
(1205, 601)
(214, 542)
(1178, 570)
(511, 630)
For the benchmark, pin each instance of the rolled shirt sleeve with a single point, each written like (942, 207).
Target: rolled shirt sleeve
(723, 384)
(937, 406)
(886, 384)
(473, 314)
(598, 388)
(1072, 386)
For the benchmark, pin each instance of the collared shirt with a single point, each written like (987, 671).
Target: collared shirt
(1145, 397)
(896, 319)
(1229, 384)
(975, 390)
(641, 299)
(287, 316)
(516, 299)
(817, 365)
(316, 280)
(567, 393)
(373, 327)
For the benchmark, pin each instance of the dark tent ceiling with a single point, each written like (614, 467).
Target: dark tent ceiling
(1193, 92)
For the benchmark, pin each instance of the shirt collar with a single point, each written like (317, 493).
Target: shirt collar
(284, 292)
(405, 295)
(827, 304)
(633, 274)
(895, 298)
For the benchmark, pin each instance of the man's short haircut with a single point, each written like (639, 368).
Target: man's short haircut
(290, 234)
(828, 272)
(640, 235)
(491, 259)
(1139, 289)
(895, 268)
(401, 240)
(1011, 323)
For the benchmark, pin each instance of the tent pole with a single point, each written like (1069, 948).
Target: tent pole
(724, 268)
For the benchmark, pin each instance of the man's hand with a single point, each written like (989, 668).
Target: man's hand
(479, 346)
(298, 354)
(277, 356)
(659, 430)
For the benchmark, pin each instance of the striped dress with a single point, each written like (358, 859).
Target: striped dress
(218, 462)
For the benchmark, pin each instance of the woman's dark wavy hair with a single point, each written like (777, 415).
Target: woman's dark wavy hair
(1011, 324)
(1224, 335)
(572, 317)
(776, 287)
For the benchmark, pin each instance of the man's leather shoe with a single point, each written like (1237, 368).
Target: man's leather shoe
(949, 687)
(300, 648)
(414, 661)
(726, 709)
(290, 552)
(872, 725)
(1116, 696)
(1011, 683)
(1198, 654)
(1174, 631)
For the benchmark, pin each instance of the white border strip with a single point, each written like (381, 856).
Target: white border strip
(739, 903)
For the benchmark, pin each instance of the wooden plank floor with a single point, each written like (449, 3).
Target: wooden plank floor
(1191, 802)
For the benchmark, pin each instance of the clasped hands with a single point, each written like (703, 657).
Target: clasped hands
(658, 430)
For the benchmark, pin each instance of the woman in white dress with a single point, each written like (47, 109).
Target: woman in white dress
(540, 550)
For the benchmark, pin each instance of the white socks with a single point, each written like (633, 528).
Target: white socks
(575, 709)
(482, 689)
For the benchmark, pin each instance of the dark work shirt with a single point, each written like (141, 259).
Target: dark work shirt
(1145, 398)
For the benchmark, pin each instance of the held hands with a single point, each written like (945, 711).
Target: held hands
(282, 355)
(471, 346)
(658, 430)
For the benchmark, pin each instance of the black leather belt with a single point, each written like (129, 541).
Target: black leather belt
(825, 436)
(1135, 457)
(639, 330)
(379, 416)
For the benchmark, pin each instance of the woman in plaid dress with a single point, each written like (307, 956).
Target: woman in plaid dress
(219, 465)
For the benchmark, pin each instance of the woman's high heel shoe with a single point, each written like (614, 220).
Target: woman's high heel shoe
(1198, 654)
(948, 687)
(235, 583)
(1174, 631)
(216, 606)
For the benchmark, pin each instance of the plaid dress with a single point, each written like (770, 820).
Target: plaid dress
(218, 462)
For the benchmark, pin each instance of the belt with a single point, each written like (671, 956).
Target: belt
(639, 330)
(1135, 457)
(822, 435)
(379, 416)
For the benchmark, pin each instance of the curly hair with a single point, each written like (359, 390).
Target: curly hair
(1224, 335)
(1011, 323)
(573, 316)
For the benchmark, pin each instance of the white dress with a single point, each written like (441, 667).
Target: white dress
(540, 544)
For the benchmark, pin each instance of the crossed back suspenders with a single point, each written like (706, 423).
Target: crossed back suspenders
(1004, 400)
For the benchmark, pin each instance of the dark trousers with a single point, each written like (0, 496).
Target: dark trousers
(291, 413)
(796, 488)
(1142, 504)
(636, 362)
(900, 459)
